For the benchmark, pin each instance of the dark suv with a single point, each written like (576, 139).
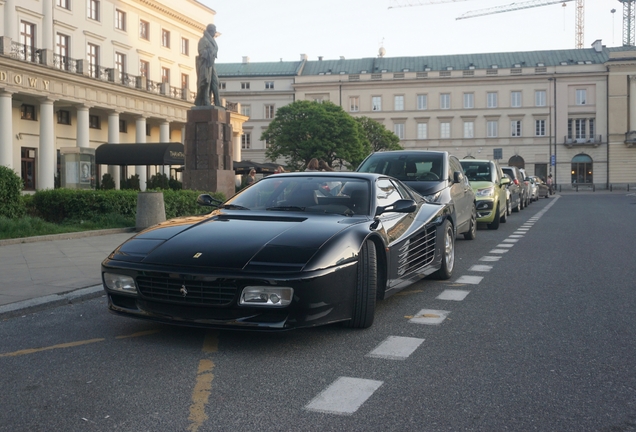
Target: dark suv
(436, 175)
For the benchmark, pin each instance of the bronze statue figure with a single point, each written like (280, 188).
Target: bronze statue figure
(207, 79)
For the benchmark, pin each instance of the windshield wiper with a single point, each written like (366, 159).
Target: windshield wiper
(234, 207)
(286, 208)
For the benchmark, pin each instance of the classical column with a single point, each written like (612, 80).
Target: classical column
(632, 103)
(6, 131)
(10, 20)
(46, 155)
(140, 138)
(164, 137)
(236, 144)
(113, 138)
(47, 25)
(82, 126)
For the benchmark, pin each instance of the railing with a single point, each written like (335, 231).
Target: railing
(64, 63)
(592, 141)
(25, 52)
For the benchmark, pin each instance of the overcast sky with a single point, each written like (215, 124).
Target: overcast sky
(271, 30)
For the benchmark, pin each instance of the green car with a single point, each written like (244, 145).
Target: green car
(489, 184)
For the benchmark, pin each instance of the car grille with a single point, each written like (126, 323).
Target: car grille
(217, 292)
(418, 252)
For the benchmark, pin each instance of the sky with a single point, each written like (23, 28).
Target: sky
(274, 30)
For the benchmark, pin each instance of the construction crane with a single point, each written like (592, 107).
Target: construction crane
(628, 22)
(579, 19)
(400, 4)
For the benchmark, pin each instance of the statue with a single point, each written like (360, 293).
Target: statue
(207, 79)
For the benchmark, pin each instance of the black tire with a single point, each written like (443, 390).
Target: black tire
(366, 288)
(508, 207)
(522, 202)
(448, 253)
(517, 209)
(504, 218)
(495, 222)
(472, 231)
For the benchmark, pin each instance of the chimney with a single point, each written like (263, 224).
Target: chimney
(319, 58)
(303, 57)
(246, 59)
(597, 45)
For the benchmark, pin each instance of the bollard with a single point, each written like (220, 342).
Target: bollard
(150, 209)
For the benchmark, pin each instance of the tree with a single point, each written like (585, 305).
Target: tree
(379, 137)
(304, 130)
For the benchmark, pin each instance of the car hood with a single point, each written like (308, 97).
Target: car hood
(233, 241)
(425, 188)
(475, 185)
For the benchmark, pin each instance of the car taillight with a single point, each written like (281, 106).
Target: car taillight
(516, 181)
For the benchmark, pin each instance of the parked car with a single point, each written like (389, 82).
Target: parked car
(526, 181)
(514, 197)
(534, 189)
(436, 175)
(518, 179)
(489, 184)
(542, 187)
(284, 253)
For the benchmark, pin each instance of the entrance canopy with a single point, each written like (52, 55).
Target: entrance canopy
(140, 154)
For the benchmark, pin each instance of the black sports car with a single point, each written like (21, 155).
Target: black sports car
(292, 250)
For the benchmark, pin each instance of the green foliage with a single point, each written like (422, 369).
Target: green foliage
(58, 205)
(108, 183)
(131, 183)
(184, 203)
(32, 226)
(161, 181)
(378, 136)
(10, 190)
(304, 130)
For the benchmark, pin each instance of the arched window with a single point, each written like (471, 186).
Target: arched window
(582, 169)
(517, 161)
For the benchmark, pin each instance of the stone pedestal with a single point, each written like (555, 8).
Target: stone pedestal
(150, 209)
(208, 151)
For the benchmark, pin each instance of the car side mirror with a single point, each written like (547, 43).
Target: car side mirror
(400, 206)
(208, 200)
(505, 181)
(458, 177)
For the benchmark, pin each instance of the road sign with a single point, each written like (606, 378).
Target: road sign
(553, 160)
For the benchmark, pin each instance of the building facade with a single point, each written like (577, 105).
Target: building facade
(560, 112)
(76, 74)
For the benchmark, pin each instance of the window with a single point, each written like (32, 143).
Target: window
(398, 103)
(165, 38)
(469, 129)
(398, 129)
(579, 128)
(92, 55)
(491, 100)
(515, 99)
(185, 81)
(246, 140)
(165, 75)
(64, 117)
(245, 86)
(94, 122)
(269, 111)
(27, 112)
(591, 126)
(65, 4)
(246, 110)
(582, 169)
(539, 98)
(144, 67)
(422, 130)
(62, 43)
(27, 39)
(539, 127)
(469, 100)
(120, 20)
(354, 104)
(515, 128)
(492, 129)
(444, 130)
(222, 85)
(92, 9)
(120, 64)
(185, 46)
(123, 126)
(376, 103)
(444, 101)
(581, 96)
(422, 102)
(144, 29)
(269, 85)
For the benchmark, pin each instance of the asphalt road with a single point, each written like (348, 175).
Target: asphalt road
(535, 331)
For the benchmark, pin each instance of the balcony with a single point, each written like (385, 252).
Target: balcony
(593, 141)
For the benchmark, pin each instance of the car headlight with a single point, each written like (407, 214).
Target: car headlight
(433, 197)
(485, 192)
(118, 282)
(266, 296)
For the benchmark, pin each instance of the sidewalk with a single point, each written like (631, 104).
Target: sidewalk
(38, 271)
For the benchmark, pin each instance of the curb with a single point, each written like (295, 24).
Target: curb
(41, 303)
(65, 236)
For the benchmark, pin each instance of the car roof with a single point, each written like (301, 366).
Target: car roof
(476, 160)
(409, 152)
(351, 174)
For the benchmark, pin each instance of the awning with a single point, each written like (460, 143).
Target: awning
(140, 154)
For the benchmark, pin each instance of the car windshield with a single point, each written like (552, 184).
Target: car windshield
(411, 167)
(315, 194)
(477, 171)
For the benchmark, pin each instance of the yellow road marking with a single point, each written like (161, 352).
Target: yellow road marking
(143, 333)
(52, 347)
(203, 386)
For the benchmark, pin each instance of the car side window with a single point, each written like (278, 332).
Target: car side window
(386, 191)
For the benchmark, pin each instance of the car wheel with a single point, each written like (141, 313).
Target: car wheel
(472, 231)
(504, 218)
(448, 253)
(517, 209)
(522, 202)
(495, 222)
(366, 287)
(508, 207)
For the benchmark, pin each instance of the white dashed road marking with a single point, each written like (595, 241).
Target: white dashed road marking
(511, 240)
(344, 396)
(480, 268)
(508, 245)
(490, 258)
(429, 317)
(396, 348)
(454, 295)
(498, 251)
(473, 280)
